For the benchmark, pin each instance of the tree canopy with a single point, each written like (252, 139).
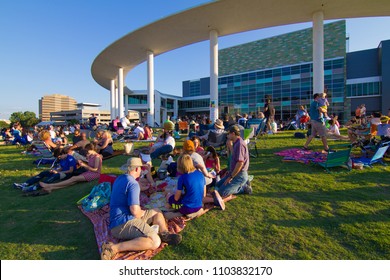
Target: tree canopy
(26, 119)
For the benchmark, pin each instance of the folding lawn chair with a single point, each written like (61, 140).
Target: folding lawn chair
(258, 134)
(376, 158)
(217, 140)
(338, 158)
(45, 153)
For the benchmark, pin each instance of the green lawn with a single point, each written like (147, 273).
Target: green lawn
(296, 211)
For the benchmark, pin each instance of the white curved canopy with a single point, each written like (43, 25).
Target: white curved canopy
(225, 16)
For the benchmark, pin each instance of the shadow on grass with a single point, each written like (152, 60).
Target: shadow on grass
(380, 193)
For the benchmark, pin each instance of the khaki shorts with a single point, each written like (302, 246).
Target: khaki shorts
(317, 128)
(135, 228)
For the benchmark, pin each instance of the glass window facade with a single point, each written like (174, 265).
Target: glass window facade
(364, 89)
(191, 104)
(287, 86)
(137, 99)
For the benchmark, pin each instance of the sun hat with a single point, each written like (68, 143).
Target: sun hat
(218, 124)
(131, 162)
(168, 125)
(188, 146)
(145, 157)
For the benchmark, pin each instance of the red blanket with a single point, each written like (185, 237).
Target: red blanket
(101, 218)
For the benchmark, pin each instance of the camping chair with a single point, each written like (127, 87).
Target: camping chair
(338, 158)
(376, 158)
(183, 127)
(46, 154)
(217, 140)
(258, 134)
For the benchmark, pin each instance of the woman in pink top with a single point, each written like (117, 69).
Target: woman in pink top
(93, 169)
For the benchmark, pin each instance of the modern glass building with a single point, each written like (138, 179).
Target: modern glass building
(281, 68)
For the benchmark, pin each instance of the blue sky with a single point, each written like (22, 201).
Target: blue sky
(48, 47)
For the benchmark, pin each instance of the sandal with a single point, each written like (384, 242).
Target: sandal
(305, 149)
(107, 253)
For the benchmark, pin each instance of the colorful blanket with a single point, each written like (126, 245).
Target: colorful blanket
(299, 155)
(100, 220)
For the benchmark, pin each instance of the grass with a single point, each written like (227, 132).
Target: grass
(296, 211)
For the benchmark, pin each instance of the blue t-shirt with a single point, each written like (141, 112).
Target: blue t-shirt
(67, 163)
(125, 192)
(313, 112)
(192, 186)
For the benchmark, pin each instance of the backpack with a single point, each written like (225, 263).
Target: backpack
(97, 198)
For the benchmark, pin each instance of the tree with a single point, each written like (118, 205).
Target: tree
(3, 124)
(26, 119)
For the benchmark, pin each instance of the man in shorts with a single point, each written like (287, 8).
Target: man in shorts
(317, 126)
(129, 222)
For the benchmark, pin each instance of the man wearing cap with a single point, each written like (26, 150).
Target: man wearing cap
(129, 222)
(236, 181)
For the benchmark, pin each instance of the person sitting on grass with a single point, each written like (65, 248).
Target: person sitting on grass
(67, 166)
(191, 188)
(104, 143)
(93, 169)
(131, 224)
(165, 142)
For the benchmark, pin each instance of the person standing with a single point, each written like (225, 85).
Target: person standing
(317, 126)
(131, 224)
(269, 113)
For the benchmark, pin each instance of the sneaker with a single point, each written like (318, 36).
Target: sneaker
(32, 188)
(250, 178)
(218, 201)
(330, 151)
(248, 188)
(170, 238)
(20, 186)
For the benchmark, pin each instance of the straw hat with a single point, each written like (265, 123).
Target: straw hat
(219, 124)
(131, 162)
(168, 125)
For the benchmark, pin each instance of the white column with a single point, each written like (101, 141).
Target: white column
(120, 93)
(318, 52)
(176, 108)
(126, 97)
(116, 103)
(150, 97)
(213, 75)
(157, 109)
(112, 100)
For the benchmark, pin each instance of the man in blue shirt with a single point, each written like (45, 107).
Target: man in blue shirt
(67, 164)
(317, 125)
(129, 222)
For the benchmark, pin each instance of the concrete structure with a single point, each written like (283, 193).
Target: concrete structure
(53, 103)
(82, 114)
(222, 18)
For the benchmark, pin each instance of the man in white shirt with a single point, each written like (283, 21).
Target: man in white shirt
(125, 122)
(139, 131)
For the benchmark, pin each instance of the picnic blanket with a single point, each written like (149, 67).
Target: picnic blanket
(101, 219)
(299, 155)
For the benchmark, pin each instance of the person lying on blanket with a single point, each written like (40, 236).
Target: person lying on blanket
(93, 169)
(67, 164)
(129, 222)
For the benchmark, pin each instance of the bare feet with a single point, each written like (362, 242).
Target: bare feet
(45, 186)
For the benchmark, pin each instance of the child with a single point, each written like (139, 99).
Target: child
(324, 105)
(211, 160)
(191, 188)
